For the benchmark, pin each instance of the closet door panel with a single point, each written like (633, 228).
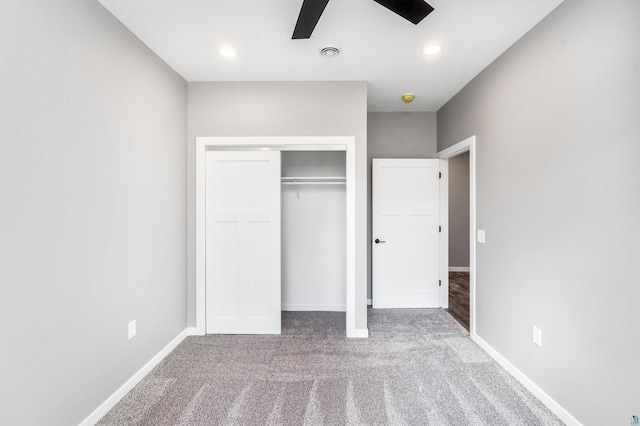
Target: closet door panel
(225, 270)
(243, 242)
(242, 185)
(259, 260)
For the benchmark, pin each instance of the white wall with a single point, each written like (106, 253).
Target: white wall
(557, 125)
(92, 216)
(283, 109)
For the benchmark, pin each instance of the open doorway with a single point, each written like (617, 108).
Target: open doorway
(459, 238)
(457, 271)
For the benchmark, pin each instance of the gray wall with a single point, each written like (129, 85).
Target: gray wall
(283, 109)
(397, 135)
(92, 217)
(459, 210)
(557, 125)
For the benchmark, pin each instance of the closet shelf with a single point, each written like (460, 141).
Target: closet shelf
(323, 178)
(314, 183)
(313, 180)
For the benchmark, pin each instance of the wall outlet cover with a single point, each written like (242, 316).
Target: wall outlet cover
(481, 236)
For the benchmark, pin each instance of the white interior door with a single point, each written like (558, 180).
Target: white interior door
(243, 242)
(405, 233)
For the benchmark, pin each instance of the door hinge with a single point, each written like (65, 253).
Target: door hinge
(439, 175)
(439, 228)
(439, 283)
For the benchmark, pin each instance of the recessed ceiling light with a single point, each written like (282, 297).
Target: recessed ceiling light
(228, 52)
(432, 50)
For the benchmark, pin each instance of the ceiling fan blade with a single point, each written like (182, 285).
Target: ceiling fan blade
(411, 10)
(310, 13)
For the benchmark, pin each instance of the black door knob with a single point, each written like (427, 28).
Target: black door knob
(378, 241)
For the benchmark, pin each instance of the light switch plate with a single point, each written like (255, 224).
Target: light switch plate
(537, 336)
(481, 238)
(132, 329)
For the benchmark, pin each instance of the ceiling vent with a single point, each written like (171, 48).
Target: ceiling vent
(330, 51)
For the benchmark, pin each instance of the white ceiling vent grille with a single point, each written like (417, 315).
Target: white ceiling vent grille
(330, 51)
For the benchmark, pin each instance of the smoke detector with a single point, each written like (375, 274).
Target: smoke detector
(407, 98)
(330, 51)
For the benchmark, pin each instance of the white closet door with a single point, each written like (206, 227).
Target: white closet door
(405, 233)
(243, 242)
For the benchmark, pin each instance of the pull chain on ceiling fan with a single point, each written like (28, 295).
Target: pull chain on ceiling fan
(413, 11)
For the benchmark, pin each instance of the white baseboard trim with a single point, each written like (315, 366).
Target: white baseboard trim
(551, 404)
(358, 333)
(369, 302)
(327, 308)
(193, 331)
(104, 408)
(459, 269)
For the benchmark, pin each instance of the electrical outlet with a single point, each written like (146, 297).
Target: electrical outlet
(132, 329)
(537, 336)
(481, 236)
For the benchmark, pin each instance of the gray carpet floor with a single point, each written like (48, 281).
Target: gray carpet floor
(418, 367)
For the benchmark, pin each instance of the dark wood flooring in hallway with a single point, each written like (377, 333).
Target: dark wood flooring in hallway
(459, 297)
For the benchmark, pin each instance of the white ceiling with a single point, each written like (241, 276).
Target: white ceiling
(376, 45)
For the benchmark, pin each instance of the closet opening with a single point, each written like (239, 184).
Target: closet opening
(246, 189)
(313, 228)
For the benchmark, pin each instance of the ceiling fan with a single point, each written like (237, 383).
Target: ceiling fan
(411, 10)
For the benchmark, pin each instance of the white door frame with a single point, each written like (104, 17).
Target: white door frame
(289, 143)
(468, 144)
